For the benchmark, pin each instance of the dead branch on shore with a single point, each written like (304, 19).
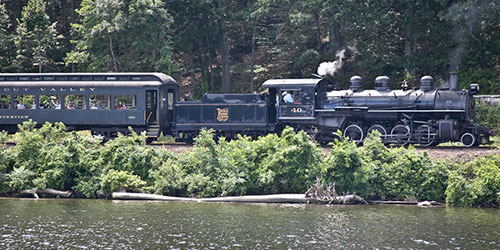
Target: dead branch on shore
(50, 191)
(328, 195)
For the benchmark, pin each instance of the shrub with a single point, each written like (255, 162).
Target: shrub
(341, 164)
(291, 166)
(130, 153)
(115, 180)
(61, 163)
(20, 179)
(413, 175)
(475, 184)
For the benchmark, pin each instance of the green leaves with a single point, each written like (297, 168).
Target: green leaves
(475, 183)
(36, 37)
(123, 36)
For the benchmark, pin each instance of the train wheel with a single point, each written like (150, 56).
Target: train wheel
(468, 140)
(401, 135)
(354, 133)
(378, 128)
(424, 136)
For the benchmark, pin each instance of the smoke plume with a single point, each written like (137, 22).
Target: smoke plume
(329, 69)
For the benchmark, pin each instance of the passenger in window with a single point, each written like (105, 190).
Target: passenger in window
(46, 105)
(2, 105)
(69, 105)
(288, 97)
(120, 106)
(33, 106)
(94, 106)
(20, 105)
(56, 104)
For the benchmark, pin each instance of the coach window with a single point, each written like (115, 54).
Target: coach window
(163, 100)
(170, 99)
(4, 101)
(99, 101)
(24, 102)
(50, 102)
(74, 102)
(125, 101)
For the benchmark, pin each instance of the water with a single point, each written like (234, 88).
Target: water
(102, 224)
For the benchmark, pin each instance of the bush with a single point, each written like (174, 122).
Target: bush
(115, 180)
(270, 164)
(475, 184)
(341, 165)
(291, 166)
(488, 116)
(20, 179)
(61, 163)
(376, 172)
(130, 153)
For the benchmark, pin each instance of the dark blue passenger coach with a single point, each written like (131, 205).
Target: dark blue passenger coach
(105, 103)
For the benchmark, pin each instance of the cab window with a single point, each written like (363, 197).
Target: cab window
(290, 96)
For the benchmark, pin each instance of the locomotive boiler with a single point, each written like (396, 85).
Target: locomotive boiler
(425, 115)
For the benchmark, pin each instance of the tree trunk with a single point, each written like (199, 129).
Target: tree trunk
(226, 78)
(115, 63)
(252, 59)
(318, 31)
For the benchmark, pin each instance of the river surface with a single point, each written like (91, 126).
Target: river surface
(104, 224)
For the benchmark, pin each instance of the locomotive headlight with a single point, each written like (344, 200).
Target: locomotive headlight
(474, 88)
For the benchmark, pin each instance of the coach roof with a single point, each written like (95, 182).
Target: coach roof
(86, 79)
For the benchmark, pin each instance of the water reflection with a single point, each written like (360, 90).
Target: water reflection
(130, 224)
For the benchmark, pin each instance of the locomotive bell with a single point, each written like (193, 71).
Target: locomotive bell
(382, 83)
(356, 83)
(426, 83)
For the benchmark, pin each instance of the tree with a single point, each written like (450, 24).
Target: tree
(6, 41)
(123, 35)
(35, 37)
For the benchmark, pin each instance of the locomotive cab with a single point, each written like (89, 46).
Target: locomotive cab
(297, 99)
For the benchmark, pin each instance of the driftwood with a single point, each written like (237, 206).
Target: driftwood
(50, 191)
(273, 198)
(329, 195)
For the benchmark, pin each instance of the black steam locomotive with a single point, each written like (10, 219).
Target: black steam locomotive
(108, 103)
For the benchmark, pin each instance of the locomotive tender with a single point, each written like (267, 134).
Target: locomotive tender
(108, 103)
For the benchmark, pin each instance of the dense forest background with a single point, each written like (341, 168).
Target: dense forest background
(235, 45)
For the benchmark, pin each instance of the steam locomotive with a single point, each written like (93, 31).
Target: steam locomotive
(110, 103)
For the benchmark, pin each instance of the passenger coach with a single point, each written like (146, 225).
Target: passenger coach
(105, 103)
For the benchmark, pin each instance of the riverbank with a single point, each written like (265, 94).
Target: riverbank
(50, 158)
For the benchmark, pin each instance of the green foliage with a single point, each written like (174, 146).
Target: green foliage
(20, 179)
(6, 41)
(374, 171)
(4, 162)
(123, 36)
(293, 166)
(115, 180)
(49, 157)
(129, 153)
(35, 37)
(488, 116)
(341, 164)
(270, 164)
(475, 184)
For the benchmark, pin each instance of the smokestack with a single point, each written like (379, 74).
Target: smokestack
(453, 80)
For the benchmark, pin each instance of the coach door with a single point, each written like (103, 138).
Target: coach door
(151, 106)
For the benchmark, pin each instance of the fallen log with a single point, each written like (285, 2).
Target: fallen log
(142, 196)
(50, 191)
(273, 198)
